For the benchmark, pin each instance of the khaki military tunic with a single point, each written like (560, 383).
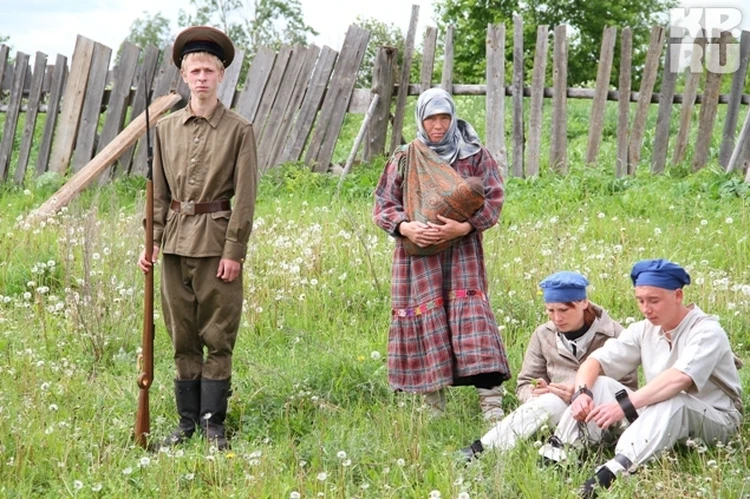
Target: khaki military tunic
(203, 159)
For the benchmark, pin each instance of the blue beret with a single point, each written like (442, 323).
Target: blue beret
(564, 287)
(660, 274)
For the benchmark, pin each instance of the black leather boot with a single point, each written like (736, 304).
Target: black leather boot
(187, 394)
(214, 395)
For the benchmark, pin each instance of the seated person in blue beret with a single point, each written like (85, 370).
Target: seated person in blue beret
(692, 385)
(575, 329)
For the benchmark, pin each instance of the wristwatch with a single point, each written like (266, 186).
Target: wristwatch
(582, 389)
(626, 405)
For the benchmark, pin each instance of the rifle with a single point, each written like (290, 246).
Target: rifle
(146, 358)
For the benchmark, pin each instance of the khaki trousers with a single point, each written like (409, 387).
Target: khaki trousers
(200, 311)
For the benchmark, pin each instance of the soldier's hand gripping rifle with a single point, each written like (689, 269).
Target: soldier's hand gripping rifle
(146, 358)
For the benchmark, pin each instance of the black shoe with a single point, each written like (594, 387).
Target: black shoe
(549, 453)
(602, 478)
(473, 451)
(187, 394)
(214, 395)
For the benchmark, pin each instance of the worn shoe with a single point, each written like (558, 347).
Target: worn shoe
(552, 453)
(214, 395)
(473, 451)
(187, 394)
(491, 403)
(602, 478)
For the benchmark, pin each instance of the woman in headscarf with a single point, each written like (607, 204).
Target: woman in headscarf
(443, 331)
(576, 328)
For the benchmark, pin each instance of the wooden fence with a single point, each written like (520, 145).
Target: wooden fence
(297, 99)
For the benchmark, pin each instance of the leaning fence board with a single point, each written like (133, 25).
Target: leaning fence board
(495, 102)
(446, 83)
(735, 96)
(109, 154)
(145, 80)
(650, 71)
(118, 99)
(358, 140)
(310, 105)
(688, 101)
(53, 105)
(398, 118)
(664, 117)
(623, 111)
(34, 100)
(92, 104)
(596, 123)
(382, 85)
(518, 130)
(707, 116)
(743, 144)
(266, 139)
(72, 105)
(228, 85)
(255, 83)
(428, 58)
(14, 109)
(272, 89)
(537, 101)
(4, 50)
(300, 86)
(333, 111)
(558, 141)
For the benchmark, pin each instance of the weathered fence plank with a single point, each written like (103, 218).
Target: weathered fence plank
(272, 89)
(333, 111)
(707, 116)
(559, 139)
(518, 131)
(446, 82)
(255, 83)
(34, 101)
(4, 51)
(144, 83)
(623, 112)
(358, 140)
(267, 138)
(537, 101)
(428, 57)
(57, 84)
(382, 85)
(735, 96)
(398, 119)
(740, 149)
(310, 105)
(14, 109)
(650, 71)
(689, 95)
(664, 118)
(72, 105)
(118, 99)
(495, 103)
(228, 86)
(92, 105)
(300, 87)
(603, 75)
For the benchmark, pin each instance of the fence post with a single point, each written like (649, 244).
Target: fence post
(447, 80)
(623, 103)
(518, 131)
(664, 118)
(558, 141)
(495, 102)
(382, 85)
(403, 84)
(428, 58)
(537, 100)
(14, 109)
(688, 99)
(32, 110)
(596, 125)
(735, 96)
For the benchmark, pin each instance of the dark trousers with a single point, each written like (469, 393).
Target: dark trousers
(200, 311)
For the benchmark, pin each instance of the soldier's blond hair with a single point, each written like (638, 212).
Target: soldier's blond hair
(196, 55)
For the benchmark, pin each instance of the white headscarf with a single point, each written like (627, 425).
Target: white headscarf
(460, 141)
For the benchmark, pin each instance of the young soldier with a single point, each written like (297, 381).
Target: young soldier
(692, 386)
(204, 156)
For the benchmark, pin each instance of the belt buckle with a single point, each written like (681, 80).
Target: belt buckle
(188, 207)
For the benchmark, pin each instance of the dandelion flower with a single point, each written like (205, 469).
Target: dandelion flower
(400, 462)
(295, 495)
(435, 494)
(127, 471)
(346, 463)
(463, 495)
(145, 461)
(341, 454)
(375, 355)
(97, 487)
(322, 476)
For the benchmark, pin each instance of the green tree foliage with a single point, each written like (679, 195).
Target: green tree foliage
(586, 20)
(150, 29)
(4, 38)
(381, 35)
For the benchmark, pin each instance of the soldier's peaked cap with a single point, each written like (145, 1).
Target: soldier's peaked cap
(203, 39)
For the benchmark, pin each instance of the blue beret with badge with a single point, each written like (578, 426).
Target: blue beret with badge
(660, 274)
(564, 287)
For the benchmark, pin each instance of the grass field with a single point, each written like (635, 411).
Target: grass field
(312, 414)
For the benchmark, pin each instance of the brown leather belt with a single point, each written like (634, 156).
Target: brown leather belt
(193, 208)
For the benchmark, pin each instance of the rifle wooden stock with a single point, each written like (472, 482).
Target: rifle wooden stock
(146, 359)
